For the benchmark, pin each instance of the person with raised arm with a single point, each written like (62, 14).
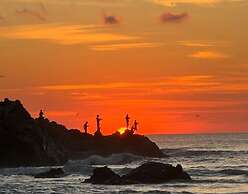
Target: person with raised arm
(127, 121)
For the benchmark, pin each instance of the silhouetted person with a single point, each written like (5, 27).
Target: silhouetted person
(85, 126)
(41, 115)
(127, 121)
(98, 126)
(134, 127)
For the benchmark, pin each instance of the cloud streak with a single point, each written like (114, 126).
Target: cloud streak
(168, 17)
(32, 13)
(115, 47)
(172, 3)
(209, 55)
(63, 34)
(196, 43)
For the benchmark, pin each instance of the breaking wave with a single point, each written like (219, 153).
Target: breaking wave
(182, 152)
(87, 165)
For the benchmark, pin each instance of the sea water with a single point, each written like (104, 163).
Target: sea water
(216, 163)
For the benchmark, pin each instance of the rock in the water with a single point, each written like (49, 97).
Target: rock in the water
(104, 175)
(148, 173)
(53, 173)
(154, 172)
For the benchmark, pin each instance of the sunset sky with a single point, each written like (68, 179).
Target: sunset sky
(177, 66)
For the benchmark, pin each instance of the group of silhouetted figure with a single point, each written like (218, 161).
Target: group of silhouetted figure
(132, 130)
(98, 132)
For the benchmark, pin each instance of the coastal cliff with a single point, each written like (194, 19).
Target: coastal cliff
(25, 141)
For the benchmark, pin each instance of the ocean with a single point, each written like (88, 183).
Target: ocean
(217, 163)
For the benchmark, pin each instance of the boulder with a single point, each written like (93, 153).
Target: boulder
(52, 173)
(104, 175)
(154, 172)
(148, 173)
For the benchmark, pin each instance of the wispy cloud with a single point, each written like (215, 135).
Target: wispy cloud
(32, 13)
(192, 80)
(172, 3)
(188, 43)
(209, 55)
(168, 17)
(63, 34)
(115, 47)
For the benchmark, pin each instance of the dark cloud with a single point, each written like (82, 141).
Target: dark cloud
(32, 13)
(168, 17)
(2, 76)
(111, 19)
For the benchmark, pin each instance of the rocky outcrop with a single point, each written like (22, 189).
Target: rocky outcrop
(148, 173)
(79, 145)
(104, 175)
(153, 172)
(52, 173)
(25, 141)
(22, 142)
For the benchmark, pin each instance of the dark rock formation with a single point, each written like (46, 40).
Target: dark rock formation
(153, 172)
(22, 142)
(80, 145)
(104, 175)
(52, 173)
(25, 141)
(148, 173)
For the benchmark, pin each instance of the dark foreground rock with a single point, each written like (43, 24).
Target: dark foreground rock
(79, 145)
(53, 173)
(148, 173)
(153, 172)
(104, 175)
(25, 141)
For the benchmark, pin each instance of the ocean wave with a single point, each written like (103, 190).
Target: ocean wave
(145, 192)
(25, 171)
(182, 152)
(86, 166)
(211, 172)
(233, 172)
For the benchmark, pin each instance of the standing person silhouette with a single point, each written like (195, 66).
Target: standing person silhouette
(127, 121)
(135, 126)
(98, 124)
(85, 126)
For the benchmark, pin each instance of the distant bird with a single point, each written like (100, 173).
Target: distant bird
(197, 116)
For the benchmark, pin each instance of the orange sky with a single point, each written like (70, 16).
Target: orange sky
(177, 66)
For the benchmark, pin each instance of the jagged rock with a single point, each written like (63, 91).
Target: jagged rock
(22, 142)
(103, 175)
(154, 172)
(148, 173)
(52, 173)
(25, 141)
(77, 144)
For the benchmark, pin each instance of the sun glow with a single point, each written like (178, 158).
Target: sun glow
(122, 130)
